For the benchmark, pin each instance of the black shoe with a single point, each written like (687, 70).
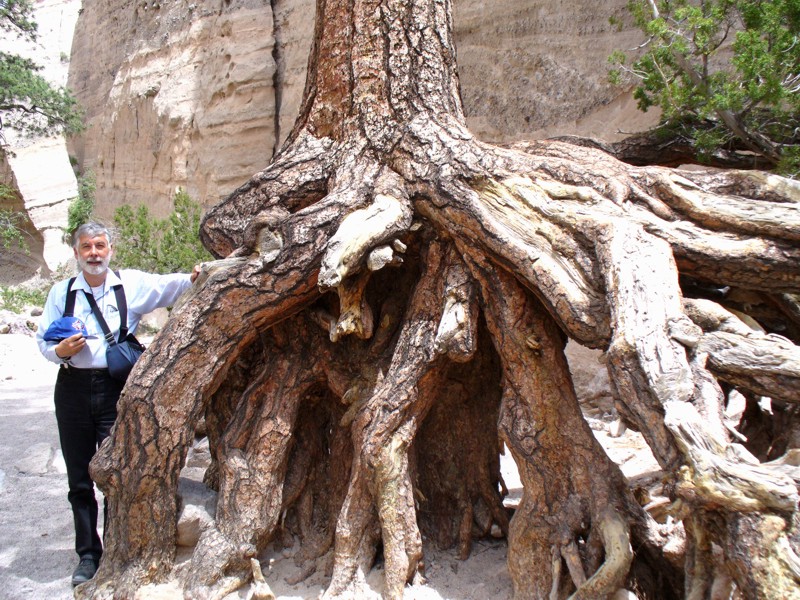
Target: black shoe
(84, 571)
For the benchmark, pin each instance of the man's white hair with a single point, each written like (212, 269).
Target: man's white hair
(92, 229)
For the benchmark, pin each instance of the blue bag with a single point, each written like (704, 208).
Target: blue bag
(121, 354)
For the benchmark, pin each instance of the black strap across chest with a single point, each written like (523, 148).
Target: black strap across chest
(69, 306)
(122, 305)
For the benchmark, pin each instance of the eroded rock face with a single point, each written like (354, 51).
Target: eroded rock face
(179, 94)
(540, 69)
(37, 168)
(199, 94)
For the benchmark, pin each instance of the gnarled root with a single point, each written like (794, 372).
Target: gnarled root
(539, 405)
(260, 589)
(618, 558)
(246, 516)
(383, 429)
(402, 542)
(359, 233)
(385, 419)
(723, 484)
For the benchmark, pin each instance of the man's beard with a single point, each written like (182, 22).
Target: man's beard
(94, 268)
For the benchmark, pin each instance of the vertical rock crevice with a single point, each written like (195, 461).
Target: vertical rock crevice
(279, 75)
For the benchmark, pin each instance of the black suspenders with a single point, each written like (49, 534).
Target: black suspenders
(122, 305)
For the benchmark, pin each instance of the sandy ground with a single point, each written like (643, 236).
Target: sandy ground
(36, 543)
(36, 537)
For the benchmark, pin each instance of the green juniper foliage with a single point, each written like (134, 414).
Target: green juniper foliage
(81, 209)
(29, 104)
(725, 73)
(12, 233)
(17, 299)
(12, 223)
(160, 245)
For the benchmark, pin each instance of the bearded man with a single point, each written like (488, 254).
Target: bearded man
(85, 393)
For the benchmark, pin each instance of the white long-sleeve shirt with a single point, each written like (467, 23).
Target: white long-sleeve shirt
(144, 292)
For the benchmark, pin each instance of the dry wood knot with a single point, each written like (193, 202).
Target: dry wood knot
(534, 344)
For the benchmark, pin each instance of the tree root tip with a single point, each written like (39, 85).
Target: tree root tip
(260, 589)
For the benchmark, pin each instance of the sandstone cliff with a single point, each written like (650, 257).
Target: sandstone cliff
(534, 69)
(198, 94)
(179, 94)
(39, 167)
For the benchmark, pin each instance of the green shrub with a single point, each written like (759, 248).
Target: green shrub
(12, 232)
(12, 222)
(29, 103)
(725, 74)
(16, 299)
(160, 245)
(81, 209)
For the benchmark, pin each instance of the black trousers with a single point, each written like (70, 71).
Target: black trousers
(86, 408)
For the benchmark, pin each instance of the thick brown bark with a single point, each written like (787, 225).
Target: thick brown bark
(388, 270)
(265, 418)
(559, 461)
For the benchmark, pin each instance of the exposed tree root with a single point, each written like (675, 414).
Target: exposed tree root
(382, 436)
(386, 223)
(260, 589)
(245, 516)
(386, 408)
(553, 515)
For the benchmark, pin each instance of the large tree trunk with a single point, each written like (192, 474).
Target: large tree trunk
(394, 300)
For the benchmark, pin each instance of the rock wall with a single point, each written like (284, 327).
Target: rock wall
(177, 95)
(198, 94)
(539, 68)
(39, 168)
(41, 173)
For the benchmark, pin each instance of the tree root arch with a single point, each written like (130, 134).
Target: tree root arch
(396, 270)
